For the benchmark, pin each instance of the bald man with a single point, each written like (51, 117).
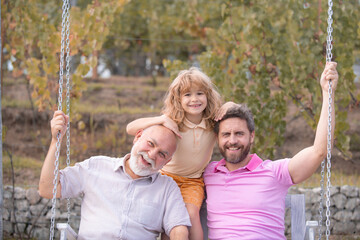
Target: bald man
(122, 198)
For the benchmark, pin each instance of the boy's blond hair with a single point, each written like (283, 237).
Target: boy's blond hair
(186, 80)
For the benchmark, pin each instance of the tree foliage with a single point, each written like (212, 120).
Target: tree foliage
(265, 53)
(32, 41)
(262, 53)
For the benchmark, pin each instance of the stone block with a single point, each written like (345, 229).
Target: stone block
(20, 227)
(343, 216)
(20, 193)
(77, 201)
(41, 233)
(7, 194)
(352, 203)
(20, 216)
(333, 190)
(75, 223)
(8, 203)
(45, 201)
(6, 214)
(57, 214)
(339, 200)
(349, 191)
(37, 209)
(348, 228)
(42, 221)
(311, 197)
(358, 228)
(356, 215)
(77, 209)
(33, 196)
(308, 216)
(8, 227)
(22, 205)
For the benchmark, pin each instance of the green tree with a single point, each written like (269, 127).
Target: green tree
(32, 41)
(266, 53)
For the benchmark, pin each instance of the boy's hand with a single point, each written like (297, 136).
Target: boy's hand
(223, 109)
(170, 124)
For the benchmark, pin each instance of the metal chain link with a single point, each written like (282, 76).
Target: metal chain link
(64, 25)
(328, 156)
(68, 97)
(328, 166)
(321, 203)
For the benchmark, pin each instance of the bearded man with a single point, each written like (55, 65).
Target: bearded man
(246, 195)
(122, 198)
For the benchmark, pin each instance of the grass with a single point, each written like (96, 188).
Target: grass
(21, 163)
(338, 178)
(13, 103)
(119, 88)
(88, 108)
(24, 169)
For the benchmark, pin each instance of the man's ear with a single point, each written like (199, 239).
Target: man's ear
(252, 137)
(138, 135)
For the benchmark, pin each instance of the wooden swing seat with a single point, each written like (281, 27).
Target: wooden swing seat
(66, 232)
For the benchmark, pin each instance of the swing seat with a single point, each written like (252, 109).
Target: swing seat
(300, 229)
(66, 232)
(311, 227)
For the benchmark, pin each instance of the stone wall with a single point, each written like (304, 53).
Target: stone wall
(33, 213)
(344, 208)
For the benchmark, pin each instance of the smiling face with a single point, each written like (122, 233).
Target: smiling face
(152, 149)
(194, 102)
(235, 139)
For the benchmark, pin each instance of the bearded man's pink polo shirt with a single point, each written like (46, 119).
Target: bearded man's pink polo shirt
(248, 203)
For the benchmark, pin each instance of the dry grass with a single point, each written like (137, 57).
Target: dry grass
(26, 170)
(338, 178)
(13, 103)
(103, 109)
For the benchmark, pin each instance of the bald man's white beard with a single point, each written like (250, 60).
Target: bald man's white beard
(140, 169)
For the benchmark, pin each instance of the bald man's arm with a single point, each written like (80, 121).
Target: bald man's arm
(179, 233)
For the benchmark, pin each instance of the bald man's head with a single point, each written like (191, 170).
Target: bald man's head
(152, 149)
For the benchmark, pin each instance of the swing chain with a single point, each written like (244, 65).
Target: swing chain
(329, 32)
(329, 56)
(321, 205)
(328, 165)
(68, 97)
(65, 13)
(328, 156)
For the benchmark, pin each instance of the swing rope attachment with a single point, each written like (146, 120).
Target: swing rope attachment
(65, 49)
(328, 156)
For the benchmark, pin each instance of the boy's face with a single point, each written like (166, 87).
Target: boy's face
(194, 102)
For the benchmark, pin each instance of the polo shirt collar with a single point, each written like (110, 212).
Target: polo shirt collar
(191, 125)
(121, 165)
(254, 162)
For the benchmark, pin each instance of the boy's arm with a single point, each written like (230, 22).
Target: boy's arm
(133, 127)
(58, 124)
(305, 163)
